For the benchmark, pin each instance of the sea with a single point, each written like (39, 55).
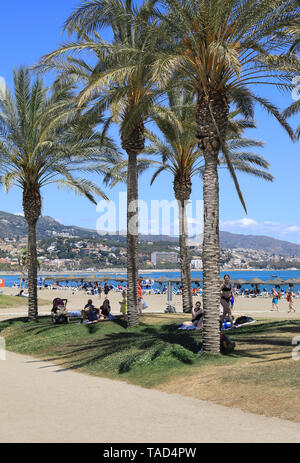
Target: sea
(10, 280)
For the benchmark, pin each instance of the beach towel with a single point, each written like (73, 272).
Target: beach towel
(74, 313)
(190, 327)
(244, 320)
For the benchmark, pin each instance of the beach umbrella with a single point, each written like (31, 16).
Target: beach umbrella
(255, 281)
(102, 279)
(161, 280)
(278, 282)
(121, 279)
(240, 281)
(291, 282)
(269, 282)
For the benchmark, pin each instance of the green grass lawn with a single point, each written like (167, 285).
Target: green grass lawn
(260, 376)
(7, 302)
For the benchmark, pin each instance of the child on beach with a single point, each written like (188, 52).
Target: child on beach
(274, 300)
(289, 299)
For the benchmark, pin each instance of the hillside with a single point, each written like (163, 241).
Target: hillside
(259, 243)
(12, 226)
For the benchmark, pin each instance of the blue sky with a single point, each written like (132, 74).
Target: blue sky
(31, 29)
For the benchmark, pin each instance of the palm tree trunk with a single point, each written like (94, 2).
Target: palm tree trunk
(32, 273)
(32, 204)
(212, 120)
(184, 261)
(133, 143)
(211, 255)
(132, 240)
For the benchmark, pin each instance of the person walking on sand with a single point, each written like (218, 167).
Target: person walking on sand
(226, 295)
(123, 305)
(289, 299)
(274, 300)
(140, 295)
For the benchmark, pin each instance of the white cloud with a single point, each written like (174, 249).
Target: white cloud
(293, 229)
(245, 222)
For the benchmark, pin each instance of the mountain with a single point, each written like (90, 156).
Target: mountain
(256, 242)
(12, 226)
(259, 243)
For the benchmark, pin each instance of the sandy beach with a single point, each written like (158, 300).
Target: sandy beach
(157, 303)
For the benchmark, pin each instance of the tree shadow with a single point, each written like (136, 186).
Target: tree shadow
(132, 347)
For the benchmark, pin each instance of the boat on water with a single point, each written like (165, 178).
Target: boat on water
(274, 276)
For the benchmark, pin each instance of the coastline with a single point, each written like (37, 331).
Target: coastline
(124, 271)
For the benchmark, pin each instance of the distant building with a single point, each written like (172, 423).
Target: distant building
(164, 257)
(196, 263)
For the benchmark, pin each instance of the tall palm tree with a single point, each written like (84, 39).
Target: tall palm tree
(220, 49)
(39, 146)
(181, 156)
(23, 263)
(122, 81)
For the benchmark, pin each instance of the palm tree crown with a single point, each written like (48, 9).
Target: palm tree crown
(40, 145)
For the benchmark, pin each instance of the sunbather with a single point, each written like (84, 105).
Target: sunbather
(197, 318)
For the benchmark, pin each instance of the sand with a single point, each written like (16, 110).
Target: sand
(254, 307)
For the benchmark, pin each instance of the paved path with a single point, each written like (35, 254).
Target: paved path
(40, 402)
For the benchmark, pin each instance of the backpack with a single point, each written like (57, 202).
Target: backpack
(243, 319)
(226, 345)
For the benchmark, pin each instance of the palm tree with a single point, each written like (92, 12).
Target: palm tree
(181, 156)
(292, 110)
(122, 81)
(39, 146)
(23, 263)
(219, 49)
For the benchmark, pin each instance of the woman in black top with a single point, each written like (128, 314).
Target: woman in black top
(105, 308)
(226, 294)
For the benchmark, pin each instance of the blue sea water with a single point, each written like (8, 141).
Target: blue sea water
(234, 274)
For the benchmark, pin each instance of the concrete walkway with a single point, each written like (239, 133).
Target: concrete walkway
(40, 402)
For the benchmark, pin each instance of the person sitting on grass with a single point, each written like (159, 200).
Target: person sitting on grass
(105, 309)
(197, 318)
(90, 312)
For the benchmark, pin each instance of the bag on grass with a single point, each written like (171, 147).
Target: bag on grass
(243, 319)
(144, 305)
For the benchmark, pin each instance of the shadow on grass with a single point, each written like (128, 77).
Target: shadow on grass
(109, 347)
(125, 350)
